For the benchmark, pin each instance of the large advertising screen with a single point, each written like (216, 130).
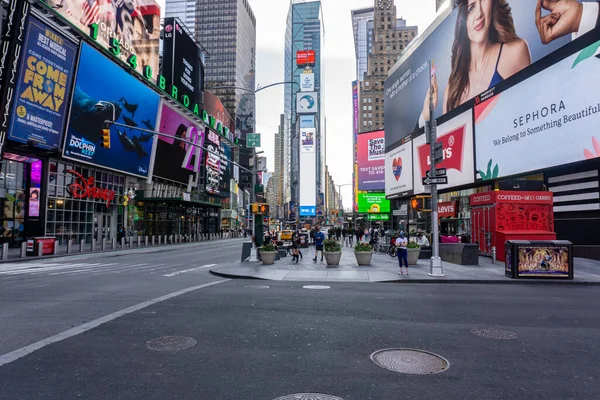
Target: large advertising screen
(463, 66)
(307, 103)
(213, 162)
(181, 64)
(226, 172)
(517, 133)
(308, 173)
(214, 107)
(398, 170)
(307, 140)
(456, 137)
(43, 87)
(126, 27)
(371, 161)
(175, 160)
(373, 203)
(104, 90)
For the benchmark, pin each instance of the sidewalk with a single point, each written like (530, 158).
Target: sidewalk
(385, 269)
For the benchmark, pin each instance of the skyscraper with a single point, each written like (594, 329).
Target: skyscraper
(278, 175)
(362, 24)
(304, 31)
(185, 10)
(390, 36)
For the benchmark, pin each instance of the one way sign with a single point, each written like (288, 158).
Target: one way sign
(428, 181)
(438, 172)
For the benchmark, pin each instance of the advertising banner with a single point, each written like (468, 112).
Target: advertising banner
(213, 162)
(307, 82)
(43, 87)
(102, 90)
(176, 160)
(456, 136)
(373, 203)
(307, 121)
(181, 65)
(215, 108)
(307, 103)
(510, 26)
(355, 108)
(129, 29)
(398, 170)
(543, 261)
(305, 57)
(226, 173)
(517, 133)
(307, 140)
(371, 161)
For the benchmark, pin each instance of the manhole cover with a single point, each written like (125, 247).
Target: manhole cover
(410, 361)
(316, 287)
(308, 396)
(258, 286)
(494, 333)
(171, 343)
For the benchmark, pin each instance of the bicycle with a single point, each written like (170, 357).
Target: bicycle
(392, 251)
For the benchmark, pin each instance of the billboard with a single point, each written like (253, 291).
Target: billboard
(215, 108)
(307, 103)
(456, 136)
(373, 203)
(181, 64)
(225, 170)
(355, 110)
(305, 57)
(175, 160)
(307, 140)
(212, 144)
(43, 87)
(517, 133)
(516, 48)
(543, 261)
(371, 161)
(307, 121)
(104, 89)
(129, 29)
(307, 82)
(398, 170)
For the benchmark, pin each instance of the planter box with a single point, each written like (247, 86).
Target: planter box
(268, 257)
(363, 257)
(413, 256)
(333, 258)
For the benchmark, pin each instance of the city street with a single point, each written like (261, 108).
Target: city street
(94, 319)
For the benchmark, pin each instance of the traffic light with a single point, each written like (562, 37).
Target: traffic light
(421, 203)
(106, 138)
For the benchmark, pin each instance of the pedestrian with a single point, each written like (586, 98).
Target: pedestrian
(402, 252)
(319, 239)
(345, 236)
(338, 233)
(120, 235)
(312, 236)
(351, 237)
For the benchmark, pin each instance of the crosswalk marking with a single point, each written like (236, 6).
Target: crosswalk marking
(190, 270)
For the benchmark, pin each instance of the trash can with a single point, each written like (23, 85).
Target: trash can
(531, 259)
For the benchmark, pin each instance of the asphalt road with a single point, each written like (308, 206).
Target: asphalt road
(263, 343)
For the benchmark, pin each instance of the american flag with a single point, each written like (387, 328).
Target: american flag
(90, 12)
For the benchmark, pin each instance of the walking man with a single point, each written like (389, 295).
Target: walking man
(402, 252)
(319, 238)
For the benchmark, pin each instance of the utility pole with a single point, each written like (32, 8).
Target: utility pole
(435, 266)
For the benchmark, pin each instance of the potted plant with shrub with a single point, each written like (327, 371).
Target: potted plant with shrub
(413, 250)
(268, 254)
(363, 253)
(333, 252)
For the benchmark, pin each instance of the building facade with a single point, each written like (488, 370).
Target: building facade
(304, 31)
(278, 175)
(390, 36)
(362, 25)
(185, 10)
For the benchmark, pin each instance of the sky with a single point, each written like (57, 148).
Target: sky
(338, 69)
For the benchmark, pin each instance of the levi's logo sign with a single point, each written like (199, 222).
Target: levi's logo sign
(452, 143)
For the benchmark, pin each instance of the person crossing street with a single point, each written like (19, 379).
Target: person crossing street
(319, 239)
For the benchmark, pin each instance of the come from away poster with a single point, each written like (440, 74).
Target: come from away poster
(44, 83)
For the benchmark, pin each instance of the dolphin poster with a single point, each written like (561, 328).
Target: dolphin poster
(103, 91)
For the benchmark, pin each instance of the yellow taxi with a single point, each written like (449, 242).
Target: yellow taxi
(286, 235)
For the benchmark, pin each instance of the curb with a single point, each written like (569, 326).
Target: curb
(427, 281)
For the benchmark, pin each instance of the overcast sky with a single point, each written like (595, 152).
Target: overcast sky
(338, 72)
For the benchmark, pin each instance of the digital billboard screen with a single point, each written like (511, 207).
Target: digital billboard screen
(213, 162)
(398, 170)
(176, 160)
(371, 161)
(103, 90)
(181, 64)
(126, 28)
(514, 45)
(373, 203)
(43, 87)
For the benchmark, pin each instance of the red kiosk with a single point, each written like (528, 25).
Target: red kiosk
(508, 215)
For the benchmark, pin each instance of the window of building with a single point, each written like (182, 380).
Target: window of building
(377, 107)
(364, 100)
(370, 100)
(376, 99)
(370, 108)
(364, 123)
(365, 115)
(381, 48)
(364, 108)
(376, 115)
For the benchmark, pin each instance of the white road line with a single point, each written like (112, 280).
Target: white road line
(23, 351)
(190, 270)
(35, 270)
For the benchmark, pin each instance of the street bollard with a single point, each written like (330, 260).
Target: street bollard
(114, 243)
(122, 243)
(103, 244)
(24, 249)
(139, 241)
(493, 254)
(5, 251)
(166, 240)
(40, 249)
(69, 246)
(55, 248)
(81, 245)
(153, 240)
(159, 239)
(93, 245)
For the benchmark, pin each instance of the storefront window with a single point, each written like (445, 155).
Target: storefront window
(13, 183)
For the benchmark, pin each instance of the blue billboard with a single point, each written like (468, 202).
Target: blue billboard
(308, 211)
(42, 88)
(103, 91)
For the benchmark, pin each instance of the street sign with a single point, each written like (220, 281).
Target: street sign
(438, 151)
(438, 172)
(253, 140)
(402, 212)
(428, 181)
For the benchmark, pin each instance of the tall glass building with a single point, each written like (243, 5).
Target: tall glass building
(185, 10)
(304, 31)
